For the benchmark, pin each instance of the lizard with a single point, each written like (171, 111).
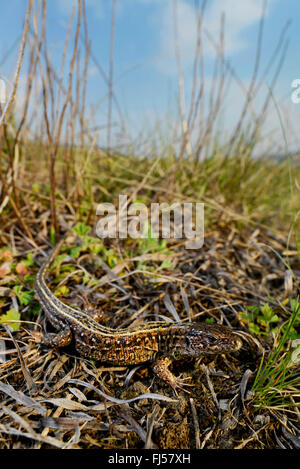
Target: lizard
(159, 342)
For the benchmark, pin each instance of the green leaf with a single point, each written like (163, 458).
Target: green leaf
(274, 318)
(255, 329)
(63, 290)
(52, 236)
(267, 312)
(85, 279)
(295, 305)
(81, 229)
(247, 317)
(96, 248)
(74, 252)
(24, 297)
(29, 278)
(28, 262)
(166, 264)
(210, 320)
(36, 187)
(253, 309)
(59, 260)
(9, 317)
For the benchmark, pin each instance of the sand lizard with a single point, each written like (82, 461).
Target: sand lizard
(157, 341)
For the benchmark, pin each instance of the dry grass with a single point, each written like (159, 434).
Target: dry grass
(246, 275)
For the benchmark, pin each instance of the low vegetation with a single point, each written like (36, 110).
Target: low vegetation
(53, 175)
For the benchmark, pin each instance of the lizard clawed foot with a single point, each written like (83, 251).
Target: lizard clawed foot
(161, 369)
(180, 383)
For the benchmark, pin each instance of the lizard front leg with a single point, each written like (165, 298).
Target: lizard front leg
(161, 369)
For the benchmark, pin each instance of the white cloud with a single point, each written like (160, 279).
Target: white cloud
(238, 17)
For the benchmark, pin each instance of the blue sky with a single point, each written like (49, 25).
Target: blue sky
(145, 73)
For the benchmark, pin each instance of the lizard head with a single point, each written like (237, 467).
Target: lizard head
(206, 339)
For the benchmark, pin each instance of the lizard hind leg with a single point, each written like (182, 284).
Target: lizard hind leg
(59, 339)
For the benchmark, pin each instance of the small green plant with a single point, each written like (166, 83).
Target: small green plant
(149, 244)
(261, 321)
(210, 320)
(28, 262)
(12, 319)
(276, 384)
(52, 236)
(63, 290)
(82, 230)
(88, 243)
(24, 297)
